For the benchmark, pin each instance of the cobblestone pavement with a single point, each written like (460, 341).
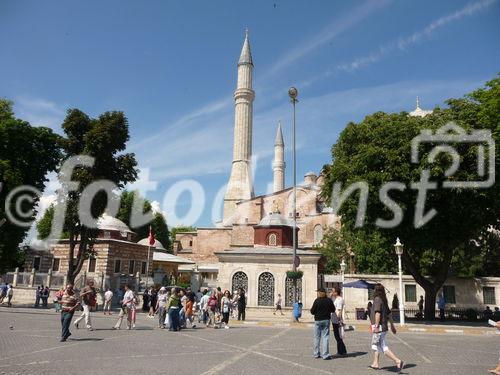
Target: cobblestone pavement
(32, 346)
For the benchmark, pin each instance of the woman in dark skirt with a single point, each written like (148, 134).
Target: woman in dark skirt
(153, 298)
(145, 301)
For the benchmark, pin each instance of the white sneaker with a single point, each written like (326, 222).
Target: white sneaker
(226, 327)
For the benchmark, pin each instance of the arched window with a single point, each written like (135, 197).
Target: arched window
(240, 280)
(318, 234)
(289, 291)
(266, 289)
(272, 239)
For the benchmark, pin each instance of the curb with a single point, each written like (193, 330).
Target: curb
(365, 328)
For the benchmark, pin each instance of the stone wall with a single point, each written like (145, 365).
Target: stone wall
(468, 292)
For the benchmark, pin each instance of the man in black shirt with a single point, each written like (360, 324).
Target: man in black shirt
(322, 309)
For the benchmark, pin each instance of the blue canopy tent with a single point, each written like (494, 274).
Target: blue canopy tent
(359, 284)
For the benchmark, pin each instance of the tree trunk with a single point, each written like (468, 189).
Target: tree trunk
(430, 302)
(431, 287)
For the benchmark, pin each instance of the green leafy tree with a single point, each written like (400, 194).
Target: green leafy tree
(103, 139)
(27, 153)
(158, 222)
(377, 151)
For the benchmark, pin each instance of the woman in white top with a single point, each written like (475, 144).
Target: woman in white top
(127, 307)
(338, 323)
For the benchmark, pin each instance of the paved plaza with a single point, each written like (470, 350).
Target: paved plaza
(32, 346)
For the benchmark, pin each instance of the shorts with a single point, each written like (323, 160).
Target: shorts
(278, 307)
(379, 345)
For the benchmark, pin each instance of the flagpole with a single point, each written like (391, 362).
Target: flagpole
(147, 267)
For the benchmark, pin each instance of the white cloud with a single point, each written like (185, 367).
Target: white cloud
(336, 27)
(39, 112)
(404, 43)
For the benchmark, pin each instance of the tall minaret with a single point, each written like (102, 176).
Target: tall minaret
(240, 184)
(279, 161)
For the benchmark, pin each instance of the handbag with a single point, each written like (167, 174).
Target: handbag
(376, 338)
(342, 331)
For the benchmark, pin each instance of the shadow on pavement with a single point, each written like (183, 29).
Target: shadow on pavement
(395, 369)
(351, 355)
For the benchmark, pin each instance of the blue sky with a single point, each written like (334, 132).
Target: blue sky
(171, 67)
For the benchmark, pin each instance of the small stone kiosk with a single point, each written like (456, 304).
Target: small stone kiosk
(261, 270)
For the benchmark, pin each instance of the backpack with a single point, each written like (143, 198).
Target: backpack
(212, 303)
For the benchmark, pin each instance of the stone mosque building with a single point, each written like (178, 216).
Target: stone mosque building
(252, 246)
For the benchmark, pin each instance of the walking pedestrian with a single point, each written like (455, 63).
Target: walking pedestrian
(441, 305)
(382, 319)
(203, 305)
(322, 309)
(242, 304)
(10, 294)
(188, 308)
(45, 296)
(234, 305)
(108, 300)
(421, 307)
(153, 299)
(161, 302)
(38, 295)
(126, 308)
(182, 311)
(226, 308)
(212, 309)
(3, 292)
(88, 300)
(338, 321)
(173, 307)
(69, 303)
(278, 306)
(496, 370)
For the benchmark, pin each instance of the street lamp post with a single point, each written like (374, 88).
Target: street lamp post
(398, 246)
(293, 93)
(342, 279)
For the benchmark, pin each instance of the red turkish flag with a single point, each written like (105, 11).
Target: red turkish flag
(151, 237)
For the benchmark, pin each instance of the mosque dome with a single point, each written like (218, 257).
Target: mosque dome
(109, 223)
(157, 245)
(274, 219)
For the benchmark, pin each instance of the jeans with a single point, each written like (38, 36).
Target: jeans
(341, 349)
(182, 318)
(173, 315)
(86, 315)
(322, 332)
(161, 316)
(225, 317)
(66, 317)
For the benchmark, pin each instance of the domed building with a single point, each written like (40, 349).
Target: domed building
(261, 270)
(117, 258)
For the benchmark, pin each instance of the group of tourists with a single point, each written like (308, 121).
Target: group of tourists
(329, 309)
(42, 294)
(175, 308)
(6, 292)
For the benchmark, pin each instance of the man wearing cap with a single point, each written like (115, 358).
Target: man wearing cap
(322, 309)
